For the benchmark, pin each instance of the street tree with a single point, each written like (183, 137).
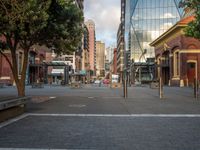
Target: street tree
(193, 28)
(24, 23)
(64, 27)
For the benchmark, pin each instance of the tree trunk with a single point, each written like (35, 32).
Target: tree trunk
(20, 89)
(20, 83)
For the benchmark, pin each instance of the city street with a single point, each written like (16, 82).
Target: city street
(99, 75)
(95, 117)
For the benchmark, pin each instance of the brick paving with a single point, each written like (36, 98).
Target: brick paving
(100, 118)
(113, 133)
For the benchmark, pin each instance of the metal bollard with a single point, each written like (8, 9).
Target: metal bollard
(160, 88)
(125, 88)
(195, 88)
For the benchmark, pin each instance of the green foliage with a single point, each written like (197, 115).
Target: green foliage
(21, 20)
(24, 23)
(64, 26)
(55, 23)
(193, 29)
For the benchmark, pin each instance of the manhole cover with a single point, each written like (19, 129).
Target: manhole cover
(77, 105)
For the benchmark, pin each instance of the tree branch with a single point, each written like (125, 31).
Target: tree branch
(2, 4)
(7, 59)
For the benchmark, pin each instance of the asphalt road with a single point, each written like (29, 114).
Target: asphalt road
(100, 118)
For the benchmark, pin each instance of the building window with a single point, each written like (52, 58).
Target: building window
(176, 63)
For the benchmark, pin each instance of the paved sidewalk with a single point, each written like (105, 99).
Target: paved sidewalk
(107, 133)
(100, 118)
(141, 100)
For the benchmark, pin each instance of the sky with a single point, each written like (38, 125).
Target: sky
(106, 15)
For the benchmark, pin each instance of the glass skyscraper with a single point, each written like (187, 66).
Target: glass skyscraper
(146, 20)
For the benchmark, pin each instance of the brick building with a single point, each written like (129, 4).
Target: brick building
(177, 56)
(92, 46)
(35, 67)
(6, 76)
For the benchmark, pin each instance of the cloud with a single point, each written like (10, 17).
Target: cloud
(106, 15)
(166, 26)
(168, 15)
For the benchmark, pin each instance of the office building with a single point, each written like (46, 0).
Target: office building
(92, 45)
(146, 20)
(100, 59)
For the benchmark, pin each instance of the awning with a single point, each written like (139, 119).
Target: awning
(54, 63)
(55, 74)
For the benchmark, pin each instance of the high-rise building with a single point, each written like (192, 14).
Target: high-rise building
(120, 41)
(92, 45)
(114, 64)
(100, 59)
(80, 49)
(85, 56)
(146, 20)
(109, 53)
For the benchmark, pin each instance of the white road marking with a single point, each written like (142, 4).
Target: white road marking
(13, 120)
(52, 97)
(119, 115)
(37, 149)
(77, 105)
(100, 115)
(90, 97)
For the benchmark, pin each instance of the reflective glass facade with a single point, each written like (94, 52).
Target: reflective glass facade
(145, 21)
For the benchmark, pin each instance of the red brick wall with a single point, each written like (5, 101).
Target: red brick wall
(183, 43)
(5, 70)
